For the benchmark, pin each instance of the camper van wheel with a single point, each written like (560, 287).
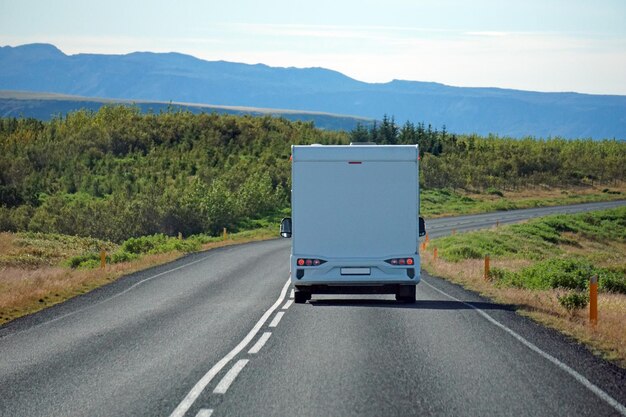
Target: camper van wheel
(300, 297)
(406, 294)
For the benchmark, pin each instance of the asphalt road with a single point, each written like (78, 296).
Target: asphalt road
(216, 334)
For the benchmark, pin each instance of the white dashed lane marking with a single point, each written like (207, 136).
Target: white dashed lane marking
(260, 343)
(197, 389)
(287, 304)
(230, 376)
(205, 412)
(277, 318)
(291, 294)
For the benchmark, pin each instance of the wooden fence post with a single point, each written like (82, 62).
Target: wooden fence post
(593, 300)
(103, 258)
(487, 272)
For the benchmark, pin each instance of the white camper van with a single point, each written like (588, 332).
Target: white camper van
(355, 222)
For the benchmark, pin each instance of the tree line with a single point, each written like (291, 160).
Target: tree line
(477, 163)
(117, 173)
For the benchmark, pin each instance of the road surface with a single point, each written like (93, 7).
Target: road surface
(216, 333)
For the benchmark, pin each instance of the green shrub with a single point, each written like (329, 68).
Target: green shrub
(501, 276)
(89, 264)
(612, 281)
(123, 256)
(144, 244)
(158, 243)
(78, 261)
(570, 273)
(574, 300)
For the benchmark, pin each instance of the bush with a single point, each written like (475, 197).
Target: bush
(569, 273)
(158, 243)
(123, 256)
(501, 276)
(143, 244)
(90, 264)
(574, 300)
(80, 261)
(612, 281)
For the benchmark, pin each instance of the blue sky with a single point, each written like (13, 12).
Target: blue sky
(545, 45)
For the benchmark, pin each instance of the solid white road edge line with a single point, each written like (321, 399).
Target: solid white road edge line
(230, 376)
(260, 343)
(578, 377)
(205, 412)
(277, 318)
(195, 392)
(287, 304)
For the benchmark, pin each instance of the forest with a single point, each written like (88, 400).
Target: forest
(119, 173)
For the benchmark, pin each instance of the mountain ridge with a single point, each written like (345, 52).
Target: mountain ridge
(172, 76)
(45, 106)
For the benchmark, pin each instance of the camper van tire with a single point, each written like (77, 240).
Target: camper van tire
(406, 294)
(301, 297)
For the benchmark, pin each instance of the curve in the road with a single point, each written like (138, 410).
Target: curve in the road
(144, 344)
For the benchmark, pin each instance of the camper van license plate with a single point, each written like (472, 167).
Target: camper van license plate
(355, 271)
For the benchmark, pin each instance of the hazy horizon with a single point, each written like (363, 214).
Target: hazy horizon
(296, 67)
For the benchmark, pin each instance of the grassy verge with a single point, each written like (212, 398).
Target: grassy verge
(39, 270)
(445, 202)
(543, 267)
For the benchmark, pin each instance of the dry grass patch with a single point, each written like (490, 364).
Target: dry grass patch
(25, 291)
(27, 287)
(607, 338)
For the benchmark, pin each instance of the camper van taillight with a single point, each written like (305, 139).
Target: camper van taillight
(309, 262)
(400, 261)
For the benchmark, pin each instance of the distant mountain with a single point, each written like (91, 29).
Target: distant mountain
(44, 106)
(182, 78)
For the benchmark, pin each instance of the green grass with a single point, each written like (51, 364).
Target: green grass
(134, 248)
(570, 273)
(505, 242)
(545, 241)
(446, 202)
(31, 250)
(443, 201)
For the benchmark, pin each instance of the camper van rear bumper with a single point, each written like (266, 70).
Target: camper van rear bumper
(355, 272)
(356, 288)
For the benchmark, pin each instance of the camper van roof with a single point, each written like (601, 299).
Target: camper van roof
(354, 153)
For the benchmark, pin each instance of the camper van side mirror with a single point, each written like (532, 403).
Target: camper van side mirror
(285, 227)
(422, 227)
